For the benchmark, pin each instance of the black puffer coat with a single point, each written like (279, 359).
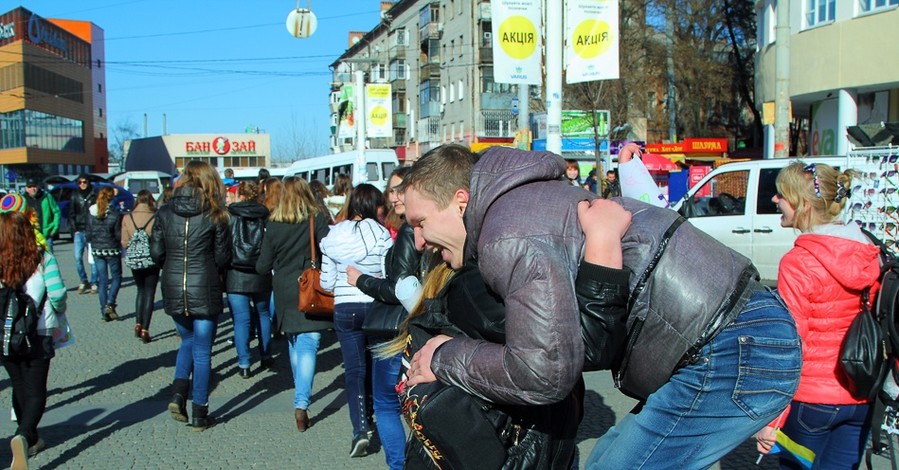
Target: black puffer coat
(247, 228)
(192, 250)
(105, 233)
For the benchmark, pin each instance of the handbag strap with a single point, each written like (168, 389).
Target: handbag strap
(312, 238)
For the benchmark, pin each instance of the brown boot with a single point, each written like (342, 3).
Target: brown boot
(302, 419)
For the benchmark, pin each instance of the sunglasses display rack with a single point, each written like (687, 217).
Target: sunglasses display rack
(874, 198)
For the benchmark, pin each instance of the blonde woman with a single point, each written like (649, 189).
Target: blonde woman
(104, 234)
(285, 254)
(192, 242)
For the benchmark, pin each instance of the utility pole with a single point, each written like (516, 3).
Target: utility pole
(782, 80)
(554, 34)
(671, 101)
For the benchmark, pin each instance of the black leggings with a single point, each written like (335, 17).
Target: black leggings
(145, 280)
(29, 393)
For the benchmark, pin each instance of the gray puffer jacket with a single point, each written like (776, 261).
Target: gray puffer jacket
(523, 232)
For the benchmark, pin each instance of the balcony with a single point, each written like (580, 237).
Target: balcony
(484, 12)
(496, 124)
(486, 55)
(430, 31)
(429, 70)
(432, 109)
(399, 120)
(398, 51)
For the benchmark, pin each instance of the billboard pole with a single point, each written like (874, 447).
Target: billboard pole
(554, 34)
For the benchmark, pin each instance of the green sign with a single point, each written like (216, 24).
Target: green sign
(580, 123)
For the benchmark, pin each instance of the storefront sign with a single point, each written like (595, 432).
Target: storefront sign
(690, 146)
(7, 30)
(221, 146)
(39, 33)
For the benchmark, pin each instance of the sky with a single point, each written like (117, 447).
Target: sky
(217, 67)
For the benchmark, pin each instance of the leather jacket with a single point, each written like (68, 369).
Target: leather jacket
(401, 260)
(105, 233)
(79, 204)
(247, 230)
(192, 249)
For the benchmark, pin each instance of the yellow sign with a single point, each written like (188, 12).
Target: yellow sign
(378, 115)
(518, 37)
(592, 38)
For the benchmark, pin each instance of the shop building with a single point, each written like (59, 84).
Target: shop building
(52, 96)
(169, 153)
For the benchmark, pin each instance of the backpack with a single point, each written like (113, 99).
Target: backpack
(138, 254)
(18, 338)
(885, 415)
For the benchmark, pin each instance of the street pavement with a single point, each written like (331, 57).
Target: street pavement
(108, 394)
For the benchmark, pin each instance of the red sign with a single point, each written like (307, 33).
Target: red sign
(697, 173)
(221, 146)
(690, 146)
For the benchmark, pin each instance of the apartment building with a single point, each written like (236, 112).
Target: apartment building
(843, 70)
(437, 55)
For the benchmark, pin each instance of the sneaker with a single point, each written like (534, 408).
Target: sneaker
(109, 313)
(19, 447)
(84, 288)
(94, 289)
(37, 448)
(359, 448)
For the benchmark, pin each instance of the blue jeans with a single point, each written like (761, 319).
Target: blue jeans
(348, 318)
(384, 376)
(49, 244)
(837, 434)
(744, 377)
(302, 349)
(195, 353)
(81, 245)
(109, 275)
(241, 311)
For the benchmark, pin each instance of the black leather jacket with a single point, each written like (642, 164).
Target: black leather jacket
(192, 250)
(105, 233)
(247, 229)
(79, 204)
(401, 260)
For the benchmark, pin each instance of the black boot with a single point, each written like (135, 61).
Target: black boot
(177, 406)
(201, 420)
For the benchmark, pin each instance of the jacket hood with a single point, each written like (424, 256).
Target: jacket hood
(852, 263)
(350, 241)
(248, 210)
(498, 171)
(186, 201)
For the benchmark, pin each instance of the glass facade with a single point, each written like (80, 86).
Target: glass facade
(34, 129)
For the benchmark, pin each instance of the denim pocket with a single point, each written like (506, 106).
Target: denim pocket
(768, 376)
(815, 418)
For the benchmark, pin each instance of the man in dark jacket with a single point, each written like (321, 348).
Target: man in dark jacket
(79, 204)
(44, 207)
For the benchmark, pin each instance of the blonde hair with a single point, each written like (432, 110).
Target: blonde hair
(296, 202)
(201, 176)
(817, 192)
(104, 197)
(434, 282)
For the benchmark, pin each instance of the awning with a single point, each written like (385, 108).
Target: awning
(656, 162)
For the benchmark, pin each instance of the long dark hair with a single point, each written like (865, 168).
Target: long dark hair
(144, 196)
(17, 236)
(364, 202)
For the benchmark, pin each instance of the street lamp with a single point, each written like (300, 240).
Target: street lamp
(301, 22)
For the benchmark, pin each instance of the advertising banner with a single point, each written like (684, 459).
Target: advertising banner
(823, 138)
(378, 120)
(346, 124)
(592, 40)
(580, 123)
(517, 41)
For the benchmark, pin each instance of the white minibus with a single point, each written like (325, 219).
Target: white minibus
(379, 164)
(135, 181)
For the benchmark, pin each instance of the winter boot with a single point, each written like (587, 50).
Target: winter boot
(201, 419)
(177, 406)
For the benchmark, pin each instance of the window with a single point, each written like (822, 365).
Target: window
(442, 95)
(398, 70)
(378, 73)
(100, 111)
(874, 5)
(725, 194)
(461, 49)
(767, 189)
(489, 86)
(819, 11)
(34, 129)
(452, 93)
(452, 54)
(99, 88)
(461, 90)
(99, 63)
(371, 171)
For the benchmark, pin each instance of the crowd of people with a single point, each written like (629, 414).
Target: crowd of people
(486, 369)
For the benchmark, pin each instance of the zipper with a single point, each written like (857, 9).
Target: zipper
(631, 340)
(184, 274)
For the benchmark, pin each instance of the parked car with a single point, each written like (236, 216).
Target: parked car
(62, 193)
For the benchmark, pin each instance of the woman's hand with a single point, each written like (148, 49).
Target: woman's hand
(604, 224)
(352, 275)
(626, 153)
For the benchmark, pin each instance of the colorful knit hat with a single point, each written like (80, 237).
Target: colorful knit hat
(12, 202)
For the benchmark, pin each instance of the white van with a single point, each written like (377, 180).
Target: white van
(733, 204)
(378, 165)
(135, 181)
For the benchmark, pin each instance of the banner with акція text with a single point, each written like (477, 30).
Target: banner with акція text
(517, 41)
(591, 34)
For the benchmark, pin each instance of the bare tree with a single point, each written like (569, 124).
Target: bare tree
(297, 140)
(124, 131)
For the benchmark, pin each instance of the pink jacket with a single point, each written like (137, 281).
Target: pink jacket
(821, 280)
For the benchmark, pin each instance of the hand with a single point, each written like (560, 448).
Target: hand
(420, 368)
(352, 275)
(765, 439)
(626, 153)
(604, 223)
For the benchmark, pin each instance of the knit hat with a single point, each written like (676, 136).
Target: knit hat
(12, 202)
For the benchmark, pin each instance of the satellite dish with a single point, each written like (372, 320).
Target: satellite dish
(301, 23)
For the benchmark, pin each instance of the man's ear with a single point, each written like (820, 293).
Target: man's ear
(461, 197)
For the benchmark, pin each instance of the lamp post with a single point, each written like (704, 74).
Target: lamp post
(301, 22)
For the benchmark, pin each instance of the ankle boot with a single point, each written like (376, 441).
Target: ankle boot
(177, 405)
(201, 419)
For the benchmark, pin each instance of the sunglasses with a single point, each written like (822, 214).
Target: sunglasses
(859, 206)
(82, 181)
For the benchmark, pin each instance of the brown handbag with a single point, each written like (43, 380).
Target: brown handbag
(314, 300)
